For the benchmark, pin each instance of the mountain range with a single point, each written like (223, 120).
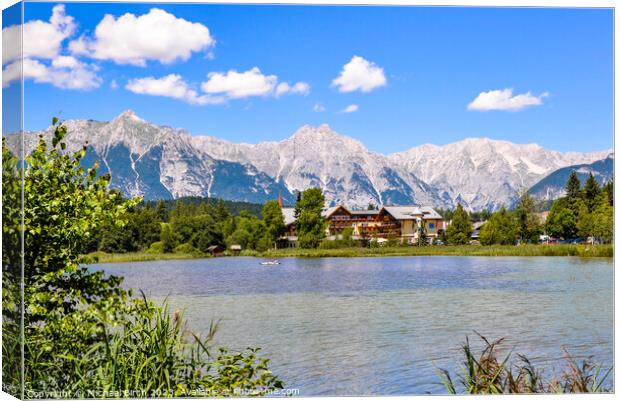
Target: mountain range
(157, 162)
(552, 186)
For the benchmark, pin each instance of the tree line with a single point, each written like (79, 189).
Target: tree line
(190, 225)
(584, 212)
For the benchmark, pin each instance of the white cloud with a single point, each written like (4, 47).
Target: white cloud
(235, 84)
(218, 88)
(318, 107)
(157, 35)
(173, 86)
(299, 88)
(114, 84)
(359, 74)
(64, 72)
(352, 108)
(40, 39)
(503, 99)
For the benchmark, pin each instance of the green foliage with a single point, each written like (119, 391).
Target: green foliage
(489, 373)
(11, 274)
(459, 231)
(501, 229)
(585, 224)
(310, 224)
(529, 227)
(603, 222)
(591, 193)
(185, 248)
(169, 239)
(608, 190)
(573, 192)
(156, 248)
(343, 240)
(561, 221)
(81, 329)
(274, 220)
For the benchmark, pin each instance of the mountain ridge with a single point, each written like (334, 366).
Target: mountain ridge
(153, 160)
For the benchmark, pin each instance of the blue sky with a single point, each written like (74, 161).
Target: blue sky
(417, 70)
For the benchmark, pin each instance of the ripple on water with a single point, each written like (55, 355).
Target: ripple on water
(355, 326)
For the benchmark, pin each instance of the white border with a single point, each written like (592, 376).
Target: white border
(479, 3)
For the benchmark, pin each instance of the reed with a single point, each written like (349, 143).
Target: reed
(489, 373)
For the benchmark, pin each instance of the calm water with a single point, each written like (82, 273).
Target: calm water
(351, 326)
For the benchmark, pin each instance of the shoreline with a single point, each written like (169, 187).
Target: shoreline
(583, 251)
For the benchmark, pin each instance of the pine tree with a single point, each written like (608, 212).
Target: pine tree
(297, 205)
(591, 193)
(608, 189)
(573, 191)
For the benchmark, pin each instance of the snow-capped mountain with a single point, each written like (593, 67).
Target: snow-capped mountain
(483, 173)
(552, 186)
(162, 162)
(342, 166)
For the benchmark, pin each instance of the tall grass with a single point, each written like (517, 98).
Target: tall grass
(151, 353)
(488, 373)
(460, 250)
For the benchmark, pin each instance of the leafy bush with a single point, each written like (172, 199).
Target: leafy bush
(156, 247)
(185, 248)
(84, 335)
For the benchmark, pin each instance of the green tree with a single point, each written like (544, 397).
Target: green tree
(297, 205)
(501, 229)
(561, 221)
(529, 226)
(422, 233)
(603, 222)
(585, 224)
(608, 190)
(274, 221)
(168, 239)
(573, 192)
(311, 224)
(460, 229)
(591, 193)
(82, 331)
(240, 237)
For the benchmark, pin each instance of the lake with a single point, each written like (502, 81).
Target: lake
(382, 326)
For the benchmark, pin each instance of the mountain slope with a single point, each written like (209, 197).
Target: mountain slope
(484, 174)
(162, 162)
(342, 166)
(552, 186)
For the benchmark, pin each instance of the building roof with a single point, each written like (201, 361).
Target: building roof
(364, 212)
(403, 212)
(398, 212)
(289, 215)
(430, 213)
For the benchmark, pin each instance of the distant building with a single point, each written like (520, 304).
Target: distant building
(402, 222)
(235, 249)
(216, 250)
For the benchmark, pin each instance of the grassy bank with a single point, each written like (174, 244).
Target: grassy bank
(102, 257)
(588, 251)
(462, 250)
